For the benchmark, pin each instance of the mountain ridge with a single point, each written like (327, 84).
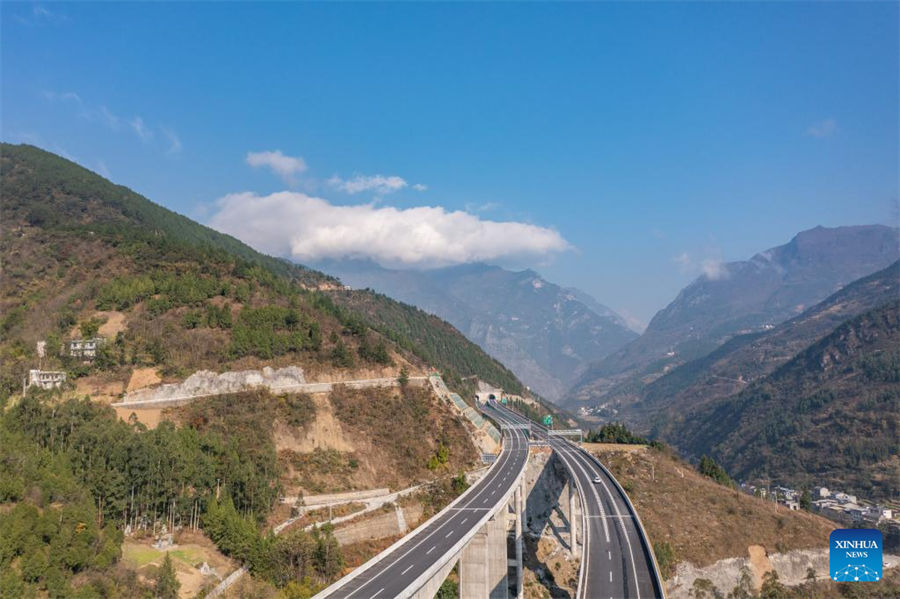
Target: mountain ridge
(60, 217)
(545, 334)
(828, 416)
(748, 296)
(745, 358)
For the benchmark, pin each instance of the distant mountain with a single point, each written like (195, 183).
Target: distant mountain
(545, 334)
(830, 415)
(746, 297)
(746, 359)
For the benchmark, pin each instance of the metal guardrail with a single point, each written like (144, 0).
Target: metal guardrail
(642, 533)
(645, 540)
(568, 432)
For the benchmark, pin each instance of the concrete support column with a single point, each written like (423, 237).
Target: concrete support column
(431, 587)
(498, 563)
(520, 516)
(573, 520)
(473, 567)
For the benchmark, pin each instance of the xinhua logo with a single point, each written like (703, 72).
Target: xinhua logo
(855, 554)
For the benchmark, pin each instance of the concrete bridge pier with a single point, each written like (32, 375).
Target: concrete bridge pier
(473, 566)
(520, 516)
(430, 589)
(573, 521)
(498, 564)
(483, 564)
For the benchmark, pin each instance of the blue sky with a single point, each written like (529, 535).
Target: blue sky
(613, 147)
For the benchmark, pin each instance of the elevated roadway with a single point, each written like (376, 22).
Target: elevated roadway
(617, 557)
(410, 566)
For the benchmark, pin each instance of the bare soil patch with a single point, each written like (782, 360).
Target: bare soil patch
(99, 388)
(149, 417)
(143, 377)
(702, 520)
(115, 323)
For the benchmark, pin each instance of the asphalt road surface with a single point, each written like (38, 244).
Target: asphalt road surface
(618, 563)
(395, 572)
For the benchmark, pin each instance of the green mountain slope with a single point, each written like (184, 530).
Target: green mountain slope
(748, 358)
(831, 415)
(51, 192)
(82, 257)
(75, 244)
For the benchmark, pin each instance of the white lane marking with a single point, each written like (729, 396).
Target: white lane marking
(609, 555)
(610, 575)
(506, 456)
(593, 490)
(464, 521)
(603, 474)
(430, 550)
(376, 594)
(447, 536)
(585, 566)
(408, 568)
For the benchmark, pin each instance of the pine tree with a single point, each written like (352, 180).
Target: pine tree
(167, 584)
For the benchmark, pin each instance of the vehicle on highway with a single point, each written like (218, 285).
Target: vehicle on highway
(597, 480)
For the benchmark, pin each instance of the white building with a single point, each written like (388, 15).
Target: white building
(877, 513)
(85, 348)
(845, 498)
(45, 379)
(822, 493)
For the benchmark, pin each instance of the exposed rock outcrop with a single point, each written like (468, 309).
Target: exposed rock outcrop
(205, 382)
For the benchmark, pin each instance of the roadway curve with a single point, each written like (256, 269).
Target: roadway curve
(405, 566)
(619, 561)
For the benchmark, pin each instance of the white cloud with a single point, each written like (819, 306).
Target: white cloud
(486, 207)
(286, 167)
(174, 141)
(380, 184)
(40, 15)
(62, 97)
(715, 270)
(308, 229)
(103, 170)
(106, 117)
(420, 187)
(683, 260)
(140, 129)
(825, 128)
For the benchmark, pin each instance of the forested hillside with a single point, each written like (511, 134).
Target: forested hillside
(432, 338)
(83, 258)
(748, 358)
(829, 416)
(80, 251)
